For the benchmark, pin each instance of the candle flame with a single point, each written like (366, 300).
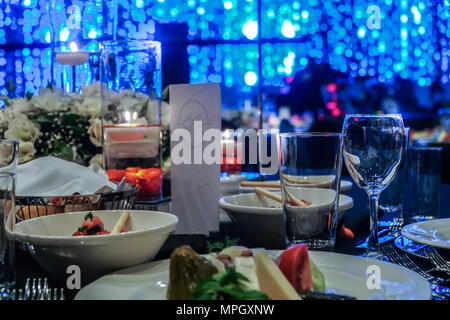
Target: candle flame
(73, 46)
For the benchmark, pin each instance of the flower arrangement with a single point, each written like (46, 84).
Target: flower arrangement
(67, 126)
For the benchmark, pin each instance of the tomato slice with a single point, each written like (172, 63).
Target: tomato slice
(294, 263)
(96, 220)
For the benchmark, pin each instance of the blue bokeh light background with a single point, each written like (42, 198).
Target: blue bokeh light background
(409, 40)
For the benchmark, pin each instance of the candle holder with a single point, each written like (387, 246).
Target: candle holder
(76, 32)
(231, 152)
(131, 122)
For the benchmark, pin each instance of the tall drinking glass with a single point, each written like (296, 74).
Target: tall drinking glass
(9, 155)
(392, 201)
(310, 171)
(7, 223)
(373, 148)
(424, 183)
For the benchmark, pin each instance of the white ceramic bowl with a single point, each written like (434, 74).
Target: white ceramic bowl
(53, 247)
(263, 225)
(230, 185)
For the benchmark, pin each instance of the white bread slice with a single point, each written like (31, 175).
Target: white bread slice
(271, 280)
(246, 266)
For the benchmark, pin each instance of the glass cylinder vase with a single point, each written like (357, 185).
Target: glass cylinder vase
(131, 121)
(77, 27)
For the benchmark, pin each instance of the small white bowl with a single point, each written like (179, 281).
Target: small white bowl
(230, 185)
(52, 245)
(264, 225)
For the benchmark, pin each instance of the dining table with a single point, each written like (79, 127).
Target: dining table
(356, 219)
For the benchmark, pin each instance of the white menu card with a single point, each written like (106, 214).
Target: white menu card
(195, 185)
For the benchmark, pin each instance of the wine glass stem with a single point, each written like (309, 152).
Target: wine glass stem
(373, 247)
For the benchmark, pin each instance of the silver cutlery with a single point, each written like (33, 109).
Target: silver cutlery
(439, 262)
(402, 259)
(35, 289)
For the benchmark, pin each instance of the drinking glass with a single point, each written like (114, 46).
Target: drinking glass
(423, 183)
(9, 155)
(310, 172)
(7, 222)
(391, 203)
(373, 148)
(76, 28)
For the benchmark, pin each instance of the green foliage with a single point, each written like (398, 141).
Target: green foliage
(64, 135)
(226, 285)
(220, 245)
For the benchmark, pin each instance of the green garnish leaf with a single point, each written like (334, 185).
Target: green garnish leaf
(28, 95)
(82, 229)
(89, 216)
(220, 245)
(226, 285)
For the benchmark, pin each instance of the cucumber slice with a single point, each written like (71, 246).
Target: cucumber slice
(317, 277)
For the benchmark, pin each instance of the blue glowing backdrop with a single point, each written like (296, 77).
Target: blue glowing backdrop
(380, 39)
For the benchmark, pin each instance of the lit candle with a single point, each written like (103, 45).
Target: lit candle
(72, 58)
(127, 132)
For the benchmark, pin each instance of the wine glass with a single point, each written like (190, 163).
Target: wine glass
(373, 148)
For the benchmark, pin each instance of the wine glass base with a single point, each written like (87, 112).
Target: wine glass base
(381, 240)
(378, 255)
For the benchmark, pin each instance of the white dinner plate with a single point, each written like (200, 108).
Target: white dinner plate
(344, 274)
(346, 186)
(434, 233)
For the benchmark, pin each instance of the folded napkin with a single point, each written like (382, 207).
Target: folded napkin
(50, 176)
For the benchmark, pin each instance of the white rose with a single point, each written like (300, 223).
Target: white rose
(153, 111)
(23, 129)
(8, 114)
(26, 151)
(98, 159)
(111, 97)
(90, 107)
(165, 115)
(50, 100)
(95, 132)
(129, 103)
(22, 105)
(6, 154)
(91, 90)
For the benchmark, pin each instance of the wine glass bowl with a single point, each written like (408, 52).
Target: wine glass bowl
(373, 149)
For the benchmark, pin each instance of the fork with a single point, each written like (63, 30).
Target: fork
(35, 290)
(406, 261)
(394, 226)
(440, 263)
(8, 294)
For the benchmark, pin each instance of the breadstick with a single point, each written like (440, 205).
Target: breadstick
(121, 222)
(298, 202)
(298, 180)
(262, 184)
(268, 194)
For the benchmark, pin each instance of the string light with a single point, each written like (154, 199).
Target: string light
(411, 40)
